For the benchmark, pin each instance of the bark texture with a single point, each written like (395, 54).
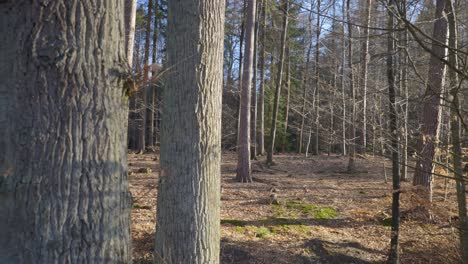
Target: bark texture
(188, 224)
(431, 103)
(63, 110)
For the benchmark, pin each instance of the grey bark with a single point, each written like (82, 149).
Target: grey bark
(284, 31)
(188, 223)
(243, 147)
(63, 165)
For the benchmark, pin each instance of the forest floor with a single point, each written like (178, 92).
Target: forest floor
(323, 215)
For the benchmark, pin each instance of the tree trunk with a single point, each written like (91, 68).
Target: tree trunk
(253, 126)
(457, 153)
(404, 89)
(243, 147)
(317, 81)
(241, 61)
(352, 142)
(143, 92)
(394, 256)
(63, 168)
(284, 31)
(288, 98)
(130, 20)
(343, 78)
(188, 224)
(305, 78)
(364, 73)
(261, 113)
(431, 104)
(152, 87)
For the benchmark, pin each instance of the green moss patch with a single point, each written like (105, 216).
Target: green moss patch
(293, 209)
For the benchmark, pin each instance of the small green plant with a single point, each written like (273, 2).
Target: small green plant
(387, 222)
(239, 229)
(292, 208)
(262, 232)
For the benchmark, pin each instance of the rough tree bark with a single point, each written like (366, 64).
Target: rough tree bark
(188, 224)
(284, 31)
(243, 147)
(457, 153)
(429, 133)
(63, 168)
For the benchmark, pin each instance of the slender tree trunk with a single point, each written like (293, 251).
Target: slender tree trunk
(130, 20)
(317, 81)
(143, 93)
(63, 165)
(394, 256)
(431, 104)
(288, 97)
(261, 113)
(364, 72)
(284, 31)
(152, 95)
(457, 154)
(343, 78)
(404, 89)
(243, 148)
(352, 143)
(305, 78)
(241, 63)
(253, 126)
(188, 224)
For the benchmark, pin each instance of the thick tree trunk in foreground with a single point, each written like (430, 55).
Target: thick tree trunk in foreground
(431, 104)
(63, 168)
(243, 147)
(284, 31)
(394, 255)
(455, 123)
(188, 224)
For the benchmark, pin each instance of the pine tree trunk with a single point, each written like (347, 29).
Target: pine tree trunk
(317, 81)
(63, 168)
(243, 147)
(431, 104)
(188, 224)
(284, 31)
